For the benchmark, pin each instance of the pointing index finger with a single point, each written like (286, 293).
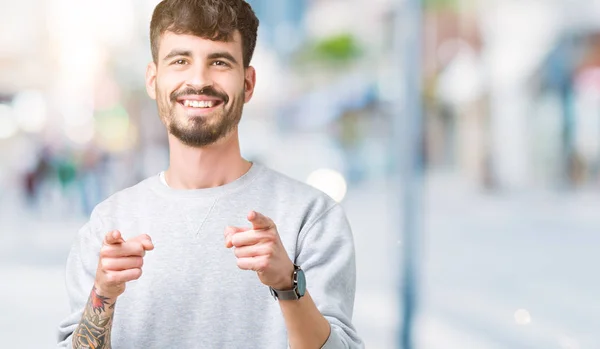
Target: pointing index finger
(145, 240)
(260, 221)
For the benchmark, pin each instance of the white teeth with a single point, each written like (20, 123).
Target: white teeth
(198, 104)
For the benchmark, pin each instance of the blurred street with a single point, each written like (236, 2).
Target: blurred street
(499, 102)
(486, 257)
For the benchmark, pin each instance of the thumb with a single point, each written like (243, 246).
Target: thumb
(113, 237)
(229, 232)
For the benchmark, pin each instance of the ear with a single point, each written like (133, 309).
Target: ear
(249, 83)
(151, 80)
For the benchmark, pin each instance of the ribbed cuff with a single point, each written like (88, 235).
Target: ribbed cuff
(334, 341)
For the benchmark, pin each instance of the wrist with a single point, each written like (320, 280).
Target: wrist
(295, 291)
(110, 295)
(284, 285)
(286, 281)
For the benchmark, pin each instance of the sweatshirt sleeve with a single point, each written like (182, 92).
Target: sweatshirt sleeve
(80, 274)
(326, 254)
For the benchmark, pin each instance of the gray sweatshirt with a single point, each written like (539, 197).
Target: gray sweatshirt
(191, 293)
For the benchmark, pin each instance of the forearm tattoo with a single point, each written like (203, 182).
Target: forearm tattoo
(96, 323)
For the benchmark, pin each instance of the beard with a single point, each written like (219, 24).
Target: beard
(201, 131)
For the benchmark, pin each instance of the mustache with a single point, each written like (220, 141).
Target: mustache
(208, 91)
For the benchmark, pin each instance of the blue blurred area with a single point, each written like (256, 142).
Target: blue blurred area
(511, 146)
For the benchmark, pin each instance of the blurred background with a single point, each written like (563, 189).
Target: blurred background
(505, 233)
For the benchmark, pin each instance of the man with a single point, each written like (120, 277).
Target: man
(234, 255)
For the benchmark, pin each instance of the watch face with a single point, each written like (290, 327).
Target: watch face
(301, 279)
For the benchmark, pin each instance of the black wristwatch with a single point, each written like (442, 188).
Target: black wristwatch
(295, 293)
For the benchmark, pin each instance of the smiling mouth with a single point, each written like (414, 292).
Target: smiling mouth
(190, 103)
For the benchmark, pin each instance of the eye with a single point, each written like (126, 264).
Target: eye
(179, 62)
(220, 64)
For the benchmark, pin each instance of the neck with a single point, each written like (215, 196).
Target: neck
(206, 167)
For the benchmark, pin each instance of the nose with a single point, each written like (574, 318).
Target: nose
(199, 76)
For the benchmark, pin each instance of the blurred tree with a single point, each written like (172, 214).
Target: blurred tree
(429, 5)
(440, 4)
(338, 49)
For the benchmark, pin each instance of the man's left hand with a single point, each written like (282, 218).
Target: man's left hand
(260, 249)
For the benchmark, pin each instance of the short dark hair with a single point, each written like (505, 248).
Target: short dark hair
(210, 19)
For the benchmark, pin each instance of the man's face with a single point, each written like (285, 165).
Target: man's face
(200, 86)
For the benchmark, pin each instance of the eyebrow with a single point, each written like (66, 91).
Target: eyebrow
(176, 52)
(223, 55)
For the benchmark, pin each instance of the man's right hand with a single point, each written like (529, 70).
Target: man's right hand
(120, 261)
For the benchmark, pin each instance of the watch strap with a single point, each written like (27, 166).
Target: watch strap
(286, 295)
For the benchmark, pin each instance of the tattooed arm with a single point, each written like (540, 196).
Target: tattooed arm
(96, 323)
(120, 261)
